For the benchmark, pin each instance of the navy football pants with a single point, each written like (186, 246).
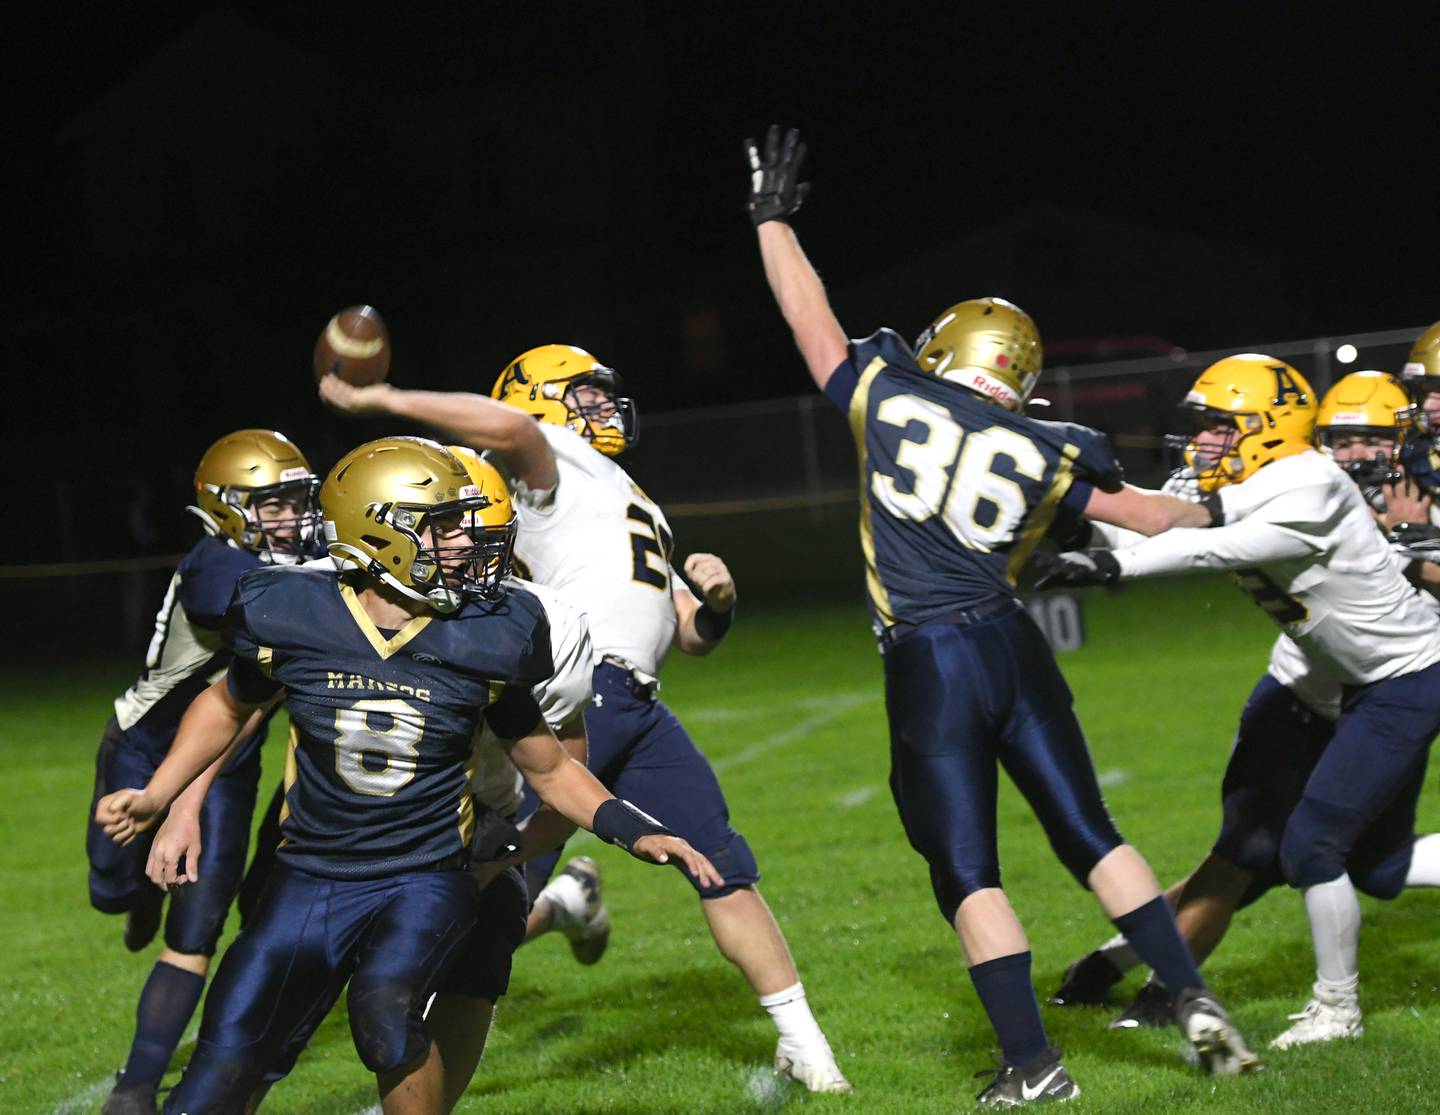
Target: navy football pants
(1277, 747)
(117, 875)
(642, 753)
(1381, 745)
(964, 700)
(390, 938)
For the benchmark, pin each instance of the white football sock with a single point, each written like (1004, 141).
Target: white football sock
(567, 902)
(792, 1017)
(1117, 950)
(1334, 911)
(1424, 862)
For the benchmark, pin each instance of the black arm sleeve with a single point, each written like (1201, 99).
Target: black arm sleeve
(248, 685)
(514, 714)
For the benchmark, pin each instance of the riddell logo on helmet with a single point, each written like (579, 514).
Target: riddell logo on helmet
(994, 390)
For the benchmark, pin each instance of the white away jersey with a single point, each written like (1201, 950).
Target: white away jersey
(495, 780)
(1301, 541)
(601, 541)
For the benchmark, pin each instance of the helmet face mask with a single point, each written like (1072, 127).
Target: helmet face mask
(610, 417)
(490, 556)
(562, 385)
(255, 489)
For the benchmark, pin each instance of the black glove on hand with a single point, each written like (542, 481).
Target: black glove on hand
(1080, 569)
(775, 191)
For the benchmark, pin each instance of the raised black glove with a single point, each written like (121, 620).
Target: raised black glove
(775, 189)
(1080, 569)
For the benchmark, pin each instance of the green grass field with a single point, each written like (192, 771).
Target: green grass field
(790, 711)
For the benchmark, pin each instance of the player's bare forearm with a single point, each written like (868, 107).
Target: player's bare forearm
(560, 782)
(464, 417)
(192, 798)
(802, 300)
(482, 423)
(208, 730)
(1147, 512)
(701, 622)
(547, 829)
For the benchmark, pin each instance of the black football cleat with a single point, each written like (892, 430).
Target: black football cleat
(142, 920)
(126, 1099)
(1151, 1009)
(1042, 1079)
(1087, 982)
(1206, 1026)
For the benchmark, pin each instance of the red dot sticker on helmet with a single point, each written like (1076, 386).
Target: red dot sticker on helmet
(1002, 360)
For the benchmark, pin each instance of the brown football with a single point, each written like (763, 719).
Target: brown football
(355, 346)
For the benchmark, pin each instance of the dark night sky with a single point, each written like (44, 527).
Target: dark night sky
(195, 190)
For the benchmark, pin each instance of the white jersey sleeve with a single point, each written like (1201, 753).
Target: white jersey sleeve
(603, 542)
(1303, 543)
(565, 694)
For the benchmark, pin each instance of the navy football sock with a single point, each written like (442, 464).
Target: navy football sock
(166, 1004)
(1151, 930)
(1008, 997)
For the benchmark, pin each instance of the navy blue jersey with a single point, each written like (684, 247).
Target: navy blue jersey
(381, 724)
(186, 653)
(956, 490)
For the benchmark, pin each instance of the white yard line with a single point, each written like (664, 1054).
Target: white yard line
(1113, 777)
(86, 1101)
(834, 708)
(856, 798)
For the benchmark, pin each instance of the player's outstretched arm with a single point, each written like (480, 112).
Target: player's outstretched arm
(1150, 513)
(703, 621)
(469, 419)
(547, 828)
(577, 794)
(1241, 545)
(775, 196)
(209, 726)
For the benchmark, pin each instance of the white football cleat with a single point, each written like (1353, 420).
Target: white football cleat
(1323, 1020)
(578, 909)
(812, 1064)
(1219, 1047)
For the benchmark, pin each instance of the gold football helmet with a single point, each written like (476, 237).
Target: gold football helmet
(491, 528)
(1362, 422)
(256, 490)
(986, 344)
(1424, 362)
(1363, 403)
(547, 382)
(382, 498)
(1266, 409)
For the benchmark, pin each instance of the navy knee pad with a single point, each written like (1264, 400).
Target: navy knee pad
(1385, 879)
(1083, 846)
(735, 862)
(197, 915)
(952, 884)
(217, 1081)
(386, 1024)
(1318, 838)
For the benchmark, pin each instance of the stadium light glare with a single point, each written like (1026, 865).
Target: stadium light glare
(1346, 354)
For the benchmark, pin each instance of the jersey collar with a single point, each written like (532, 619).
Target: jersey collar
(383, 647)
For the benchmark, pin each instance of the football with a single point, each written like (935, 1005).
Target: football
(355, 346)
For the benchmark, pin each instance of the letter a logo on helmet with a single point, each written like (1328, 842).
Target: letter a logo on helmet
(1286, 386)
